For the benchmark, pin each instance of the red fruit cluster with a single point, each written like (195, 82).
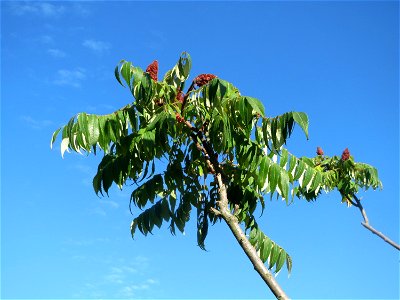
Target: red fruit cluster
(180, 96)
(203, 79)
(179, 118)
(152, 69)
(320, 151)
(345, 154)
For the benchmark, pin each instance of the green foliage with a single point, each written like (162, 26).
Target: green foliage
(269, 251)
(214, 129)
(347, 176)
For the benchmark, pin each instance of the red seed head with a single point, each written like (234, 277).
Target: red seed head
(180, 96)
(179, 118)
(203, 79)
(345, 154)
(320, 151)
(152, 69)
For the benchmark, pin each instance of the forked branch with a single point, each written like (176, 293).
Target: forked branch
(231, 220)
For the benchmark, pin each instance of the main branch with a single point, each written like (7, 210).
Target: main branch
(250, 251)
(229, 218)
(369, 227)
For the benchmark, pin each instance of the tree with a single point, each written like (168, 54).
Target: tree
(224, 155)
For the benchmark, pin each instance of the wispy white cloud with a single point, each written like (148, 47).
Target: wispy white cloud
(46, 39)
(37, 8)
(120, 279)
(82, 168)
(104, 207)
(57, 53)
(98, 211)
(109, 203)
(101, 108)
(34, 123)
(123, 269)
(70, 77)
(96, 46)
(155, 40)
(48, 9)
(126, 292)
(85, 170)
(133, 290)
(80, 9)
(85, 242)
(119, 275)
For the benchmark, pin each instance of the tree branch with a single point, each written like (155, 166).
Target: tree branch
(186, 96)
(229, 218)
(369, 227)
(209, 154)
(248, 249)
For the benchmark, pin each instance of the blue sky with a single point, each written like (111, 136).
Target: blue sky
(336, 61)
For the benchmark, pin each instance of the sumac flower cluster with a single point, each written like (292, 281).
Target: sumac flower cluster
(180, 96)
(203, 79)
(179, 118)
(152, 69)
(345, 154)
(320, 152)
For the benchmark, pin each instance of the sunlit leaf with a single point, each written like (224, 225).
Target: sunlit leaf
(273, 176)
(273, 258)
(93, 129)
(54, 136)
(265, 249)
(256, 104)
(284, 158)
(301, 119)
(64, 146)
(307, 177)
(281, 260)
(283, 184)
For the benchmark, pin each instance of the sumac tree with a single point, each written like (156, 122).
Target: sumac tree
(224, 155)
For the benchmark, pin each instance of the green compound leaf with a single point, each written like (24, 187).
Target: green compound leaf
(249, 148)
(93, 129)
(269, 251)
(256, 105)
(301, 119)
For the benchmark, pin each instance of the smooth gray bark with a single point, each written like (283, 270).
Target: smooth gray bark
(250, 251)
(370, 228)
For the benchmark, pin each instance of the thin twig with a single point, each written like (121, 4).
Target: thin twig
(352, 202)
(186, 96)
(209, 154)
(215, 211)
(370, 228)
